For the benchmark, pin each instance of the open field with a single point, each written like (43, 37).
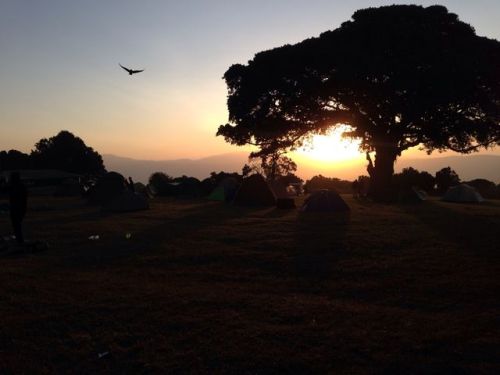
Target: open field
(202, 287)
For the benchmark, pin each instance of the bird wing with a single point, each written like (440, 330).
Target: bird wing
(128, 70)
(136, 71)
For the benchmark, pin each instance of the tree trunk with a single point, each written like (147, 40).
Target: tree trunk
(381, 174)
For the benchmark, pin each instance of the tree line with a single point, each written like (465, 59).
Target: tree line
(64, 151)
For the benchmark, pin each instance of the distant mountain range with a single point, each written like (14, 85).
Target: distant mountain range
(468, 167)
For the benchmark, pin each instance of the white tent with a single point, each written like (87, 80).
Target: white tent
(463, 193)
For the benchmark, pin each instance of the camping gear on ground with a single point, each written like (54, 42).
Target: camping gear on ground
(254, 191)
(324, 201)
(462, 193)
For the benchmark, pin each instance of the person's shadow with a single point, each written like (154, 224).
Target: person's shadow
(320, 243)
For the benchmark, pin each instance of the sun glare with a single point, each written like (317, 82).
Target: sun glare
(331, 147)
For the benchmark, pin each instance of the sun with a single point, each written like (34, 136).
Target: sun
(331, 147)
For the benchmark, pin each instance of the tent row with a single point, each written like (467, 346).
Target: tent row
(113, 194)
(256, 191)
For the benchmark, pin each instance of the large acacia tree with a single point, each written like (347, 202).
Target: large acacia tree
(399, 76)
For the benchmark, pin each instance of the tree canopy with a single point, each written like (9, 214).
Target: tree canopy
(161, 183)
(445, 178)
(321, 182)
(410, 177)
(271, 166)
(399, 76)
(68, 153)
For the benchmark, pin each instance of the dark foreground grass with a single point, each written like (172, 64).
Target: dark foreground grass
(202, 287)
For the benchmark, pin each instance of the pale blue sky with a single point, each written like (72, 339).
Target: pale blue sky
(59, 65)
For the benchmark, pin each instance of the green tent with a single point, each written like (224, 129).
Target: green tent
(225, 191)
(217, 194)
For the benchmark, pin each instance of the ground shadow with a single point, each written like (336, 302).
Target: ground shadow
(472, 227)
(319, 244)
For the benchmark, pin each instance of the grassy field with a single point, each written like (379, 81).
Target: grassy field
(203, 287)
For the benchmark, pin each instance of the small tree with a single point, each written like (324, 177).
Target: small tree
(68, 153)
(161, 183)
(410, 177)
(320, 182)
(445, 178)
(290, 178)
(426, 181)
(271, 166)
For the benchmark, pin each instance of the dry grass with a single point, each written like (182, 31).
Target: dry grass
(202, 287)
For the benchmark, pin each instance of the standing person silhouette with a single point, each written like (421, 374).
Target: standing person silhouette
(18, 198)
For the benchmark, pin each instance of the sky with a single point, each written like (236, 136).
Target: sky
(59, 66)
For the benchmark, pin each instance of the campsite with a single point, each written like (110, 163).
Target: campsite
(250, 187)
(204, 286)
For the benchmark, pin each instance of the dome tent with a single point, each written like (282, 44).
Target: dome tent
(107, 187)
(413, 195)
(325, 201)
(225, 191)
(254, 191)
(462, 193)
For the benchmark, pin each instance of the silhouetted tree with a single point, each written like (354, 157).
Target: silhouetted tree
(68, 153)
(321, 182)
(445, 178)
(271, 166)
(161, 183)
(410, 177)
(399, 76)
(14, 159)
(290, 178)
(426, 181)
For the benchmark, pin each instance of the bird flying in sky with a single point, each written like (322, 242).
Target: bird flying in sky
(131, 71)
